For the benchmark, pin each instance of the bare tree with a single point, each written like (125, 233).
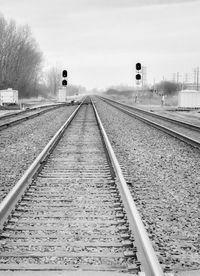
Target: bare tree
(167, 88)
(20, 58)
(53, 80)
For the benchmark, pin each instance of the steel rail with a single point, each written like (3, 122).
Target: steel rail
(9, 202)
(191, 141)
(158, 116)
(146, 253)
(6, 116)
(17, 121)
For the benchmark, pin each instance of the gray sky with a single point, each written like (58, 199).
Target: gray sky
(99, 41)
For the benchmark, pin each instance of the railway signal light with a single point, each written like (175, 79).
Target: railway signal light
(64, 74)
(64, 82)
(138, 77)
(138, 66)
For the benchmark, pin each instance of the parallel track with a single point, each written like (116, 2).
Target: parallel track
(181, 130)
(16, 118)
(77, 211)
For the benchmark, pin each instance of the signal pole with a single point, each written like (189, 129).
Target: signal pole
(138, 79)
(62, 92)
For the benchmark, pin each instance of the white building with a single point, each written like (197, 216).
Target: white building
(8, 96)
(189, 98)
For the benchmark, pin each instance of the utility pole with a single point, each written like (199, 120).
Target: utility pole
(185, 81)
(177, 77)
(197, 70)
(144, 76)
(186, 78)
(154, 82)
(195, 74)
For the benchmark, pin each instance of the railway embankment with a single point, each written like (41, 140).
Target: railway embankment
(163, 175)
(20, 144)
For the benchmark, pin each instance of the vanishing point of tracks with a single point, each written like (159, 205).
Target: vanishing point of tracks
(72, 209)
(16, 118)
(184, 131)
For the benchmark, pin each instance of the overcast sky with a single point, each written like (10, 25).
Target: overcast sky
(99, 41)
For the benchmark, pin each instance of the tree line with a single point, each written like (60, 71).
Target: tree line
(20, 59)
(21, 64)
(168, 88)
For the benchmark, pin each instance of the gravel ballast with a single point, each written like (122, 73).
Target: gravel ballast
(21, 144)
(163, 175)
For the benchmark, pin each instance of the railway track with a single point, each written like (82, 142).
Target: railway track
(184, 131)
(72, 209)
(16, 118)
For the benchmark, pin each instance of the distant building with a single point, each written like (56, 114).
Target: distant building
(191, 86)
(189, 99)
(8, 96)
